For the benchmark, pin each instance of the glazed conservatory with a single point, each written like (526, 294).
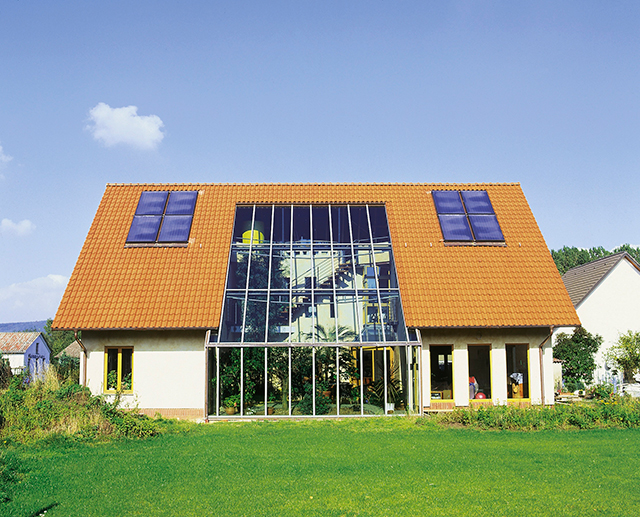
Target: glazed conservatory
(312, 320)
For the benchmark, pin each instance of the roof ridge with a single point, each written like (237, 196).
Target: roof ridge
(302, 184)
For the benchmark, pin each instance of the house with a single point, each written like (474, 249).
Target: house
(606, 295)
(196, 300)
(25, 350)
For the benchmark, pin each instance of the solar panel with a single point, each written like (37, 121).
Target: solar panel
(151, 203)
(477, 202)
(448, 202)
(455, 227)
(175, 228)
(144, 228)
(182, 202)
(486, 228)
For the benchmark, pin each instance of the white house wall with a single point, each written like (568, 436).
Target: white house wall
(612, 308)
(168, 369)
(460, 339)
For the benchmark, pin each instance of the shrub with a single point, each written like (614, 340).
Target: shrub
(601, 391)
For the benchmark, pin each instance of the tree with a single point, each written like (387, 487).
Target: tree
(576, 353)
(625, 354)
(570, 257)
(57, 340)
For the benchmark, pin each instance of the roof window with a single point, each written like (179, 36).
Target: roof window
(163, 217)
(467, 216)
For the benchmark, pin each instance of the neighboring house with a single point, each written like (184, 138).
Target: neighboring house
(606, 295)
(348, 299)
(73, 350)
(25, 350)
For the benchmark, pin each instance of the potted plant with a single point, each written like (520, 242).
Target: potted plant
(230, 404)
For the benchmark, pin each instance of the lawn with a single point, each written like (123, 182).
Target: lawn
(376, 466)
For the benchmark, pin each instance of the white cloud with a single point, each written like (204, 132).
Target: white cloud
(113, 126)
(36, 299)
(4, 158)
(24, 227)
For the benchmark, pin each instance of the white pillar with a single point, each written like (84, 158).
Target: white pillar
(498, 373)
(460, 375)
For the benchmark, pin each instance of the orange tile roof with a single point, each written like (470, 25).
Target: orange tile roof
(441, 286)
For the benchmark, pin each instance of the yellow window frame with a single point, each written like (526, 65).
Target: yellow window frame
(118, 369)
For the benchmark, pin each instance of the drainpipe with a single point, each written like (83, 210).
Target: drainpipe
(83, 381)
(542, 362)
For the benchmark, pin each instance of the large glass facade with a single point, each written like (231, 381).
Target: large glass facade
(312, 320)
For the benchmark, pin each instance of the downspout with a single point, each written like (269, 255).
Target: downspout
(83, 381)
(542, 362)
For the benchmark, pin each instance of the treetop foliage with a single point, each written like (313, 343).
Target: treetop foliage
(576, 353)
(570, 257)
(625, 354)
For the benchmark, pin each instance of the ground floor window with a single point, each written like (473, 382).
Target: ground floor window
(479, 371)
(517, 371)
(312, 380)
(441, 372)
(118, 369)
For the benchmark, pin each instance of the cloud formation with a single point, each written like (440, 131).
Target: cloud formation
(113, 126)
(36, 299)
(24, 227)
(4, 158)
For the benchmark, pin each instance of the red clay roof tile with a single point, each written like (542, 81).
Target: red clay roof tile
(457, 286)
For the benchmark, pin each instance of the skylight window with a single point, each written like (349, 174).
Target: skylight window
(163, 217)
(467, 216)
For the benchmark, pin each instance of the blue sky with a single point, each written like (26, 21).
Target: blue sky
(542, 93)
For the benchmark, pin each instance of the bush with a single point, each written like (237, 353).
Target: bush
(44, 410)
(601, 391)
(612, 412)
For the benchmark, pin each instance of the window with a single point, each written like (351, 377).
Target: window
(311, 273)
(441, 372)
(118, 369)
(479, 371)
(467, 216)
(163, 217)
(517, 371)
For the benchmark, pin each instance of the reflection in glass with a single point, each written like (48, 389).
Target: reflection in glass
(278, 317)
(242, 225)
(386, 270)
(344, 275)
(238, 263)
(323, 268)
(255, 319)
(301, 269)
(392, 316)
(280, 263)
(340, 225)
(232, 318)
(359, 224)
(371, 330)
(282, 224)
(301, 224)
(325, 327)
(259, 268)
(301, 318)
(302, 380)
(321, 233)
(347, 312)
(379, 226)
(262, 225)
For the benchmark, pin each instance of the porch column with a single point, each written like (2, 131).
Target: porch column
(535, 385)
(426, 376)
(499, 373)
(460, 374)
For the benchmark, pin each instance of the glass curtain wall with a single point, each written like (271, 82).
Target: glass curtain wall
(311, 300)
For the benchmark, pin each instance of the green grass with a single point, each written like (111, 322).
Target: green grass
(373, 466)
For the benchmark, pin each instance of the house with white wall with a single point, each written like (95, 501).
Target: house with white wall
(25, 350)
(201, 300)
(606, 295)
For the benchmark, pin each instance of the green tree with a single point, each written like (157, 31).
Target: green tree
(625, 354)
(570, 257)
(57, 340)
(576, 353)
